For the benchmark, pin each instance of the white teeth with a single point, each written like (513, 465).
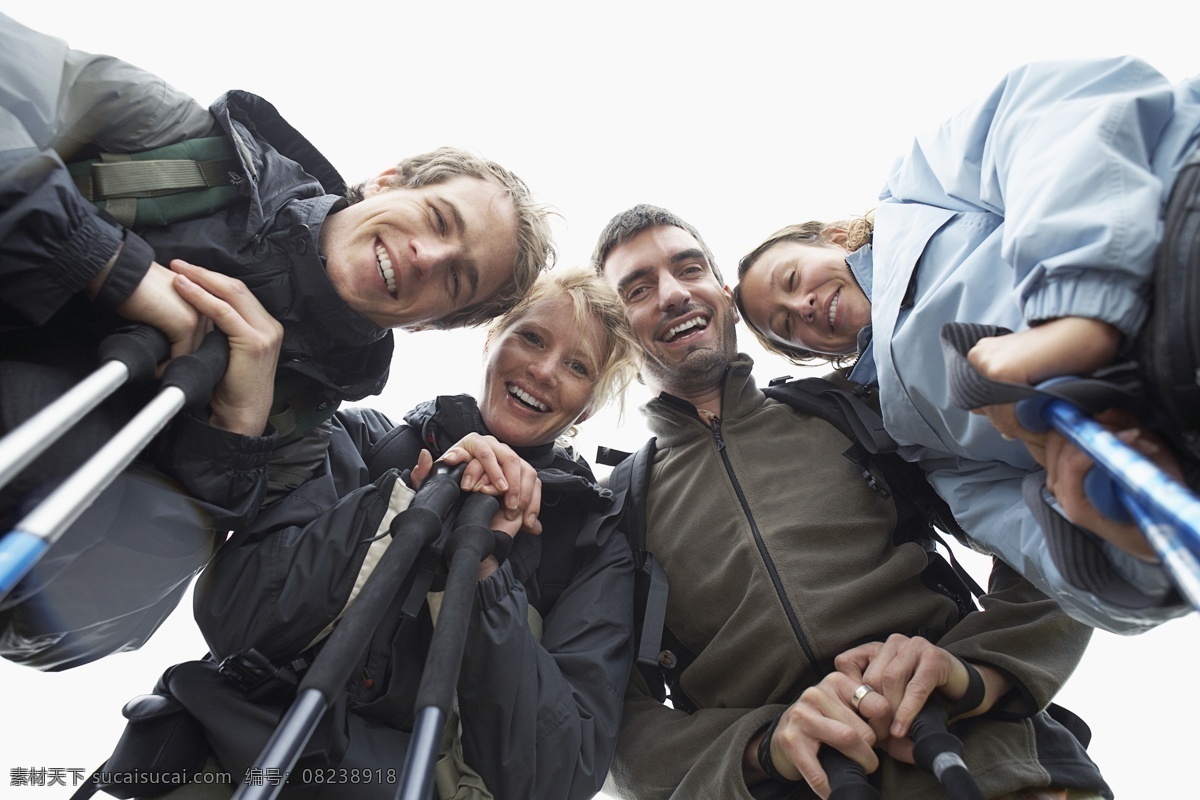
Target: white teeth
(385, 268)
(527, 398)
(833, 308)
(695, 322)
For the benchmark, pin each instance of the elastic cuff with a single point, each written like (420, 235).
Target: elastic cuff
(133, 262)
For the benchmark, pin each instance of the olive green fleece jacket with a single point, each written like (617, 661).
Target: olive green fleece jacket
(780, 557)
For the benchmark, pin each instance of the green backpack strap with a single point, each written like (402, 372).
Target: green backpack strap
(164, 184)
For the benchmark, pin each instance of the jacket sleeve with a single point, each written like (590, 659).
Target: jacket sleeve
(540, 719)
(53, 102)
(663, 752)
(279, 583)
(1064, 153)
(988, 502)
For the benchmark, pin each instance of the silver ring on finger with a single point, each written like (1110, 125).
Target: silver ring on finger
(859, 694)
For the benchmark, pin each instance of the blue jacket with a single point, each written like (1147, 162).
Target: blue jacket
(1044, 199)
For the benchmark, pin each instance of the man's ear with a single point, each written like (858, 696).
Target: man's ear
(729, 296)
(380, 183)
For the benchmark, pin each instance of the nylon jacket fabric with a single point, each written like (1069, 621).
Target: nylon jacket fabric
(539, 719)
(1044, 199)
(58, 103)
(780, 557)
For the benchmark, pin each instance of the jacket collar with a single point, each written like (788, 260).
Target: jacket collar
(674, 420)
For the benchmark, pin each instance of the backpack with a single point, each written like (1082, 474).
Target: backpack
(853, 410)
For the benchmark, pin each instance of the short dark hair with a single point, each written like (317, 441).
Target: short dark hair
(643, 217)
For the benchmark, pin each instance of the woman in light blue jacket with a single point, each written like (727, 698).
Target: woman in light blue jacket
(1037, 209)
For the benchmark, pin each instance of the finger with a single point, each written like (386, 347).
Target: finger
(927, 676)
(421, 470)
(531, 521)
(854, 662)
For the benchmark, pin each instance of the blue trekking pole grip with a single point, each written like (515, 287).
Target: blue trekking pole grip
(1165, 510)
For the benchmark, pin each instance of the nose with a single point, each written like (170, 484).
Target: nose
(805, 307)
(542, 369)
(671, 293)
(429, 254)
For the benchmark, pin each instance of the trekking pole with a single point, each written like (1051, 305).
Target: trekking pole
(413, 529)
(847, 780)
(937, 750)
(1166, 511)
(187, 382)
(469, 543)
(128, 356)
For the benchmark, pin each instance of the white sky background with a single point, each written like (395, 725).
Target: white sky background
(740, 120)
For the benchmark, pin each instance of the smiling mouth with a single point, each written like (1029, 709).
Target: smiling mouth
(833, 307)
(526, 399)
(685, 329)
(384, 265)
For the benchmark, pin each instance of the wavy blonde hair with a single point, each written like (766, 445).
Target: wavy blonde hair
(591, 297)
(858, 233)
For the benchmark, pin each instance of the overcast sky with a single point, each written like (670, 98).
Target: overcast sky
(740, 120)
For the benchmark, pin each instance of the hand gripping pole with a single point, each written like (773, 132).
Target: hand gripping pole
(470, 542)
(416, 527)
(1129, 485)
(187, 382)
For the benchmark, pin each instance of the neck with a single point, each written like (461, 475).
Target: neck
(707, 398)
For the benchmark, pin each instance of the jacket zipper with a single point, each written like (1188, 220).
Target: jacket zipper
(762, 546)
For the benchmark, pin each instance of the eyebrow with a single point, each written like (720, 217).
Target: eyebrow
(691, 254)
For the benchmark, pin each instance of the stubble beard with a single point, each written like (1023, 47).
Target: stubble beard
(699, 369)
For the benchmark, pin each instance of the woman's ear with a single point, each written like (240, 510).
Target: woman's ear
(837, 236)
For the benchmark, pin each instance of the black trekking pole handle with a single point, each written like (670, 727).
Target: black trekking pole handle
(129, 355)
(188, 381)
(413, 529)
(937, 750)
(469, 543)
(847, 779)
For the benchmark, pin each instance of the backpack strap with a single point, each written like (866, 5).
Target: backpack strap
(630, 481)
(161, 185)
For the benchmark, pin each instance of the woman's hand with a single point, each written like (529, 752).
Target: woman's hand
(241, 401)
(904, 672)
(1066, 346)
(493, 468)
(1067, 465)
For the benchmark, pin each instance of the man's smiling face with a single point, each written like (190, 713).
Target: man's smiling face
(412, 256)
(681, 313)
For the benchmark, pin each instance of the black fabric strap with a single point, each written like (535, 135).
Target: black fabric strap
(971, 699)
(764, 753)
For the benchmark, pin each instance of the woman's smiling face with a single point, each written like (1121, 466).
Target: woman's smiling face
(540, 373)
(804, 295)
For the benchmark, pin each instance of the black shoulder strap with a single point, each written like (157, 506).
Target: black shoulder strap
(630, 481)
(854, 410)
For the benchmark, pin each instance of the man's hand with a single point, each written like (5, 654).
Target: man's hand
(157, 301)
(1066, 346)
(824, 714)
(904, 672)
(241, 402)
